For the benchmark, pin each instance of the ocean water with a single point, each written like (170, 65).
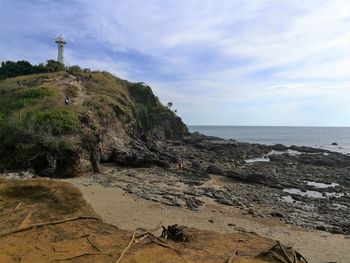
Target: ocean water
(319, 137)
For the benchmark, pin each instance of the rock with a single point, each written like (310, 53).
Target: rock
(212, 169)
(335, 230)
(170, 200)
(321, 227)
(279, 147)
(193, 203)
(211, 221)
(334, 143)
(276, 214)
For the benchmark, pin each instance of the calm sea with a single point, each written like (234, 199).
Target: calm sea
(320, 137)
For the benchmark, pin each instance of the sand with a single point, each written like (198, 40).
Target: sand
(130, 212)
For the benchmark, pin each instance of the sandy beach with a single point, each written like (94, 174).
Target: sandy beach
(128, 211)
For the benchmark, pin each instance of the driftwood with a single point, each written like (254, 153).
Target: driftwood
(26, 218)
(49, 223)
(232, 256)
(283, 254)
(127, 247)
(78, 256)
(18, 209)
(146, 234)
(90, 242)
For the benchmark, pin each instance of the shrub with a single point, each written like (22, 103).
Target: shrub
(27, 98)
(75, 70)
(58, 121)
(10, 69)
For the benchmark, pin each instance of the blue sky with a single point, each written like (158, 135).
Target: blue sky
(237, 62)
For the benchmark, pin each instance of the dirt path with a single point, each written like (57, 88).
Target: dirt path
(129, 212)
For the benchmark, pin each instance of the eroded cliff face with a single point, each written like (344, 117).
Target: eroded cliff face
(106, 119)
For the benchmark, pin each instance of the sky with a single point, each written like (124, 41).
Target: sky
(220, 62)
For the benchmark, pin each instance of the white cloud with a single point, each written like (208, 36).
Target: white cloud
(271, 57)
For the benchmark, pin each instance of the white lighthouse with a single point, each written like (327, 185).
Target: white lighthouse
(60, 44)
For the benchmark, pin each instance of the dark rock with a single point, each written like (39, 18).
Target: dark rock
(211, 221)
(193, 203)
(335, 230)
(276, 214)
(279, 147)
(334, 143)
(214, 170)
(321, 227)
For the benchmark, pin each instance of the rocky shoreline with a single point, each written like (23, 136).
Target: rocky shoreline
(303, 186)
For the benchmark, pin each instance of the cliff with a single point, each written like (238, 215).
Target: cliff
(106, 119)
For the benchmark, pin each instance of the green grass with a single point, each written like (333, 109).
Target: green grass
(34, 118)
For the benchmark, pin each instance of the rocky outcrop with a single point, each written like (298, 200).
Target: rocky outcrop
(108, 119)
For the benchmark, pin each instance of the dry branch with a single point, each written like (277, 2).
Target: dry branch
(49, 223)
(127, 247)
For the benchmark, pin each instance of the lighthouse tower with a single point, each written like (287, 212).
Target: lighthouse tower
(60, 44)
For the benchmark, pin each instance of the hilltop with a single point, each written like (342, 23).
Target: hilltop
(107, 119)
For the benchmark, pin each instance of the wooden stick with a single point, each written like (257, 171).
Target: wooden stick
(301, 256)
(295, 260)
(149, 232)
(278, 257)
(49, 223)
(163, 243)
(18, 209)
(25, 218)
(20, 203)
(91, 243)
(231, 257)
(182, 230)
(127, 247)
(78, 256)
(284, 252)
(142, 238)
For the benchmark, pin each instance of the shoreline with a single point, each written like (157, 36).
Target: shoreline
(245, 134)
(128, 211)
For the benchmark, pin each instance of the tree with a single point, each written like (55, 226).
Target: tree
(75, 70)
(54, 66)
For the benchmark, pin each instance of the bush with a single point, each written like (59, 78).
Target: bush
(27, 98)
(58, 121)
(75, 70)
(10, 69)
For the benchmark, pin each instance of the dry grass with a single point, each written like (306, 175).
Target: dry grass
(33, 204)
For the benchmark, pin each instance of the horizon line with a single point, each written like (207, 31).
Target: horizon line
(292, 126)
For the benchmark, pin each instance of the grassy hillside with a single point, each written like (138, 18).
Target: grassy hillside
(34, 119)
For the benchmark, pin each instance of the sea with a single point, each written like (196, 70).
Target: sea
(318, 137)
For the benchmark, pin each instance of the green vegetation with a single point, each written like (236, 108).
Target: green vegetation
(58, 121)
(34, 119)
(10, 69)
(149, 111)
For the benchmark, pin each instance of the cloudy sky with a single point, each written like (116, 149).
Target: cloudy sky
(237, 62)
